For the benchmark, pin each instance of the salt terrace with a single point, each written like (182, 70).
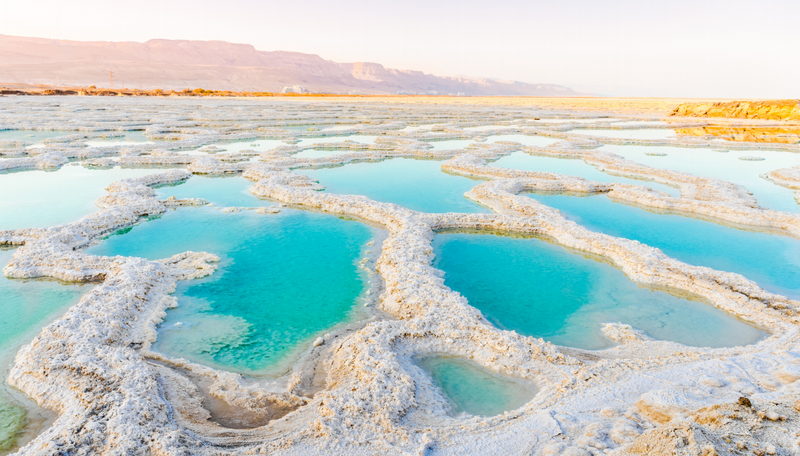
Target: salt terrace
(358, 388)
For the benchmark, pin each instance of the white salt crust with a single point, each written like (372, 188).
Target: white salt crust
(358, 391)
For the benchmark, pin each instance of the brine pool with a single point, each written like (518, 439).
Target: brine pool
(725, 165)
(34, 137)
(539, 289)
(27, 305)
(770, 260)
(283, 279)
(472, 389)
(415, 184)
(572, 167)
(39, 199)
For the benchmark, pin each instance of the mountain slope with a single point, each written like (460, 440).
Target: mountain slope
(177, 64)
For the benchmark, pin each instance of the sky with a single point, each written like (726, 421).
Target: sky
(677, 48)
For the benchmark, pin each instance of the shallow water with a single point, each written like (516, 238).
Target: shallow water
(723, 165)
(415, 184)
(35, 137)
(644, 133)
(220, 191)
(27, 305)
(572, 167)
(472, 389)
(772, 261)
(543, 290)
(38, 199)
(283, 279)
(525, 140)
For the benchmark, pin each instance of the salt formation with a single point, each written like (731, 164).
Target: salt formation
(788, 177)
(360, 392)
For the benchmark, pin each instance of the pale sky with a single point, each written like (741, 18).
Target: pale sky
(678, 48)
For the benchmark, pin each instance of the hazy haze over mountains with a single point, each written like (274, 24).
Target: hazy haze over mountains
(219, 65)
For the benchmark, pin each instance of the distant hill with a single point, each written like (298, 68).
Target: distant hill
(175, 64)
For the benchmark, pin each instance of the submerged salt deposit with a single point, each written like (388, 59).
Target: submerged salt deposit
(359, 389)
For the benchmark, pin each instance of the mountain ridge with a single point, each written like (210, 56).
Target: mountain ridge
(220, 65)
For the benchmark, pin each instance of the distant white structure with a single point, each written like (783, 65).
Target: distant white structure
(294, 89)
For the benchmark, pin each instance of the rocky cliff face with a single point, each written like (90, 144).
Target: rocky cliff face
(219, 65)
(767, 110)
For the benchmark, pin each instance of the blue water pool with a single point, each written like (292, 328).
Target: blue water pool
(220, 191)
(38, 199)
(416, 184)
(27, 305)
(723, 165)
(543, 290)
(771, 260)
(474, 390)
(283, 279)
(572, 167)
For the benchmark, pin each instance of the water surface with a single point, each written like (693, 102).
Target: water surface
(572, 167)
(772, 261)
(34, 137)
(543, 290)
(725, 166)
(220, 191)
(283, 279)
(415, 184)
(473, 389)
(39, 199)
(27, 305)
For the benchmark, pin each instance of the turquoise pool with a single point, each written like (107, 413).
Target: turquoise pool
(543, 290)
(38, 199)
(572, 167)
(283, 279)
(771, 260)
(472, 389)
(27, 305)
(415, 184)
(725, 166)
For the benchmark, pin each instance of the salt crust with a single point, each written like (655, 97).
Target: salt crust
(113, 395)
(786, 177)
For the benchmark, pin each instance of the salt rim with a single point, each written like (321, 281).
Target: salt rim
(93, 365)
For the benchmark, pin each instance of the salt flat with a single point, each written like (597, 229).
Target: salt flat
(368, 385)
